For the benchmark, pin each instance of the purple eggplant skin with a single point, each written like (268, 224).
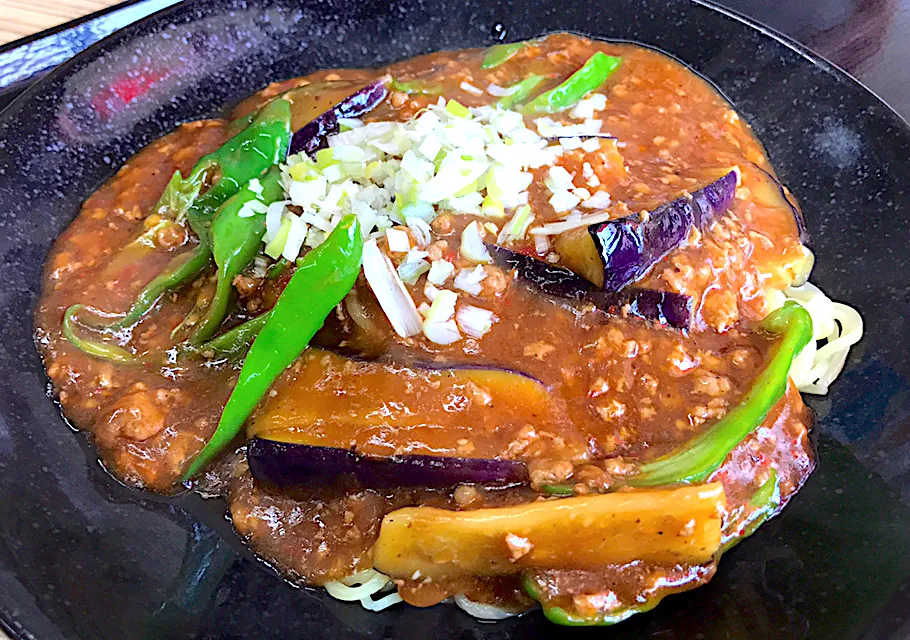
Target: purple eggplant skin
(365, 100)
(664, 307)
(629, 247)
(314, 135)
(543, 276)
(710, 202)
(287, 465)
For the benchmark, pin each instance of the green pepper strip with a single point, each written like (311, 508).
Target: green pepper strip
(101, 350)
(235, 241)
(239, 160)
(562, 617)
(176, 200)
(764, 503)
(521, 92)
(323, 280)
(698, 458)
(244, 157)
(235, 343)
(179, 194)
(276, 269)
(558, 489)
(416, 87)
(500, 53)
(589, 77)
(183, 268)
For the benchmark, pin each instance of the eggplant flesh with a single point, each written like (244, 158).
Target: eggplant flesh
(379, 411)
(285, 465)
(663, 526)
(663, 307)
(616, 253)
(315, 134)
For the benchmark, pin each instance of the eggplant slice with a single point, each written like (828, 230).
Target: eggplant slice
(616, 253)
(663, 307)
(314, 135)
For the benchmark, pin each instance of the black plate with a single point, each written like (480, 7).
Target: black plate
(83, 557)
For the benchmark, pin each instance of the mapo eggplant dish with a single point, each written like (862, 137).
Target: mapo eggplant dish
(515, 327)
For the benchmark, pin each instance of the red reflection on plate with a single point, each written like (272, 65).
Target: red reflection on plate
(124, 90)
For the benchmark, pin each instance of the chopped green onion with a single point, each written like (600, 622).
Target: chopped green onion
(457, 109)
(274, 248)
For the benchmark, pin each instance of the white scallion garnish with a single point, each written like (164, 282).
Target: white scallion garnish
(423, 234)
(296, 236)
(475, 321)
(467, 87)
(469, 280)
(472, 246)
(555, 228)
(517, 227)
(390, 291)
(255, 186)
(413, 266)
(440, 271)
(597, 200)
(439, 326)
(398, 241)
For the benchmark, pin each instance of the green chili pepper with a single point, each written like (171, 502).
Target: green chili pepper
(589, 77)
(235, 242)
(764, 503)
(276, 269)
(520, 93)
(416, 87)
(101, 350)
(698, 459)
(323, 280)
(235, 343)
(180, 193)
(497, 54)
(566, 618)
(558, 489)
(182, 269)
(244, 157)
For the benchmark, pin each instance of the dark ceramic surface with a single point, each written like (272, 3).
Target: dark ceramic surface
(83, 557)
